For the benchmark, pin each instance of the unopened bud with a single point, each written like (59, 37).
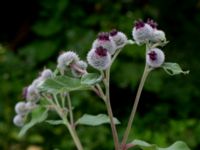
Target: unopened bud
(19, 120)
(158, 36)
(46, 73)
(21, 109)
(79, 68)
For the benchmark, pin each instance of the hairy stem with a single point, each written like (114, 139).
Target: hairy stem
(137, 98)
(70, 109)
(109, 109)
(73, 134)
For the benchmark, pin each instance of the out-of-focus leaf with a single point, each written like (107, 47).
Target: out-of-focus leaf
(55, 122)
(179, 145)
(92, 120)
(173, 68)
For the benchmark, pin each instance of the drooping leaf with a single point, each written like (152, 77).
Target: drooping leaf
(91, 78)
(179, 145)
(61, 83)
(55, 122)
(173, 68)
(38, 115)
(93, 120)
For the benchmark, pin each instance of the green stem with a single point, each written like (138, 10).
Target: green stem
(70, 109)
(109, 109)
(144, 76)
(73, 134)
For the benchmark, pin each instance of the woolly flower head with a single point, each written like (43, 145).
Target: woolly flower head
(19, 120)
(46, 73)
(142, 32)
(65, 59)
(21, 108)
(158, 36)
(31, 93)
(79, 68)
(119, 38)
(99, 58)
(105, 41)
(155, 57)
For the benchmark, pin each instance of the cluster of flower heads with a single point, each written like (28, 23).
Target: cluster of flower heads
(31, 95)
(106, 44)
(147, 33)
(99, 57)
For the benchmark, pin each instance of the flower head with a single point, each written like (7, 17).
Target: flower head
(79, 68)
(46, 73)
(99, 58)
(20, 108)
(142, 32)
(155, 57)
(105, 41)
(19, 120)
(65, 59)
(119, 38)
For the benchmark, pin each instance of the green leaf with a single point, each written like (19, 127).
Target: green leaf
(173, 68)
(61, 83)
(92, 120)
(179, 145)
(91, 78)
(55, 122)
(38, 115)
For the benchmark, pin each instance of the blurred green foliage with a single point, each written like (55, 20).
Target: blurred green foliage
(33, 34)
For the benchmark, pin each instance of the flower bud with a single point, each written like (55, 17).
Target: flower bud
(119, 38)
(21, 109)
(142, 32)
(30, 105)
(32, 94)
(105, 41)
(46, 73)
(99, 58)
(158, 36)
(65, 59)
(155, 57)
(19, 120)
(79, 68)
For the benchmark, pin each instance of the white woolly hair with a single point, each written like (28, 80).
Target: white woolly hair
(98, 62)
(108, 44)
(158, 36)
(120, 39)
(20, 108)
(160, 58)
(143, 34)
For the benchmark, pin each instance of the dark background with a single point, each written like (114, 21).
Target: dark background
(32, 33)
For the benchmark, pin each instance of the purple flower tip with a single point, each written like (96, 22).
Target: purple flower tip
(152, 55)
(152, 23)
(101, 51)
(113, 32)
(139, 24)
(104, 36)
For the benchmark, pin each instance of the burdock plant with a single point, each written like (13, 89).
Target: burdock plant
(51, 90)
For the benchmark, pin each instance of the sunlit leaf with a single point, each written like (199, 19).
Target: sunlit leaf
(38, 115)
(173, 68)
(62, 83)
(93, 120)
(91, 78)
(179, 145)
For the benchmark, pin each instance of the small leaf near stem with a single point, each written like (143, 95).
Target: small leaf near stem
(127, 131)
